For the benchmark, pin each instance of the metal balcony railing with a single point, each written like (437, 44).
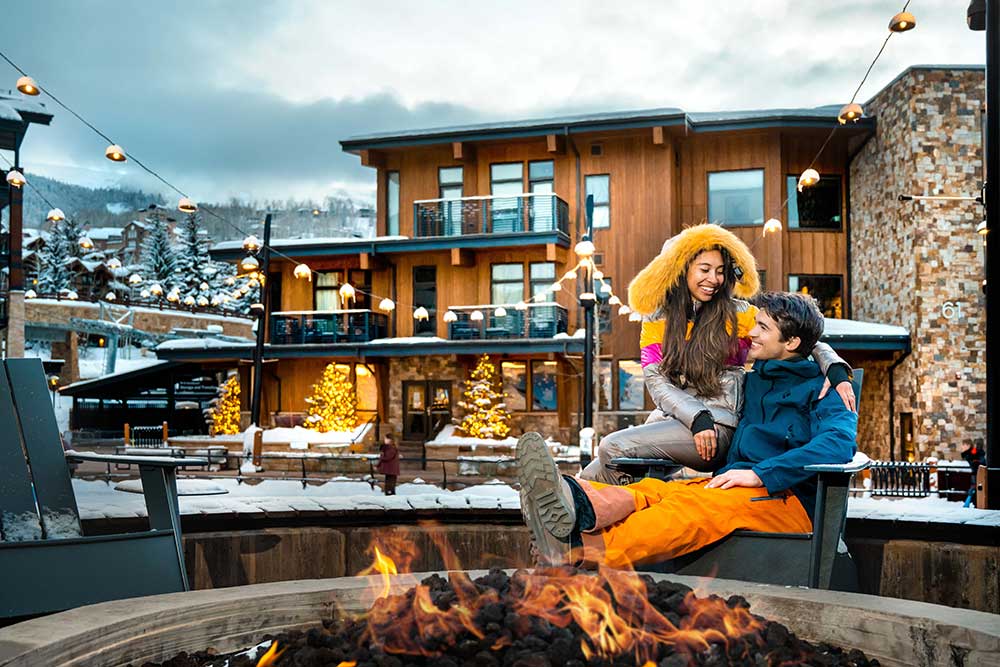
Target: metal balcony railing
(327, 326)
(538, 320)
(490, 215)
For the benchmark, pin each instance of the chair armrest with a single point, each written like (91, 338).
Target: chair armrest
(857, 464)
(630, 461)
(149, 461)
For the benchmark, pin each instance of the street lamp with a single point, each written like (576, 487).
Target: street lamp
(585, 251)
(264, 251)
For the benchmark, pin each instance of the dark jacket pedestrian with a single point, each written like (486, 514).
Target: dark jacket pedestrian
(388, 464)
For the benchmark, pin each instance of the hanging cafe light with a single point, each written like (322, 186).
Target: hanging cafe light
(421, 314)
(189, 300)
(605, 288)
(303, 271)
(27, 86)
(30, 294)
(476, 316)
(772, 226)
(634, 317)
(114, 264)
(15, 178)
(570, 275)
(584, 248)
(251, 243)
(144, 293)
(72, 296)
(55, 215)
(203, 286)
(115, 153)
(249, 263)
(388, 305)
(110, 296)
(902, 22)
(556, 287)
(134, 279)
(809, 178)
(500, 312)
(174, 296)
(624, 310)
(347, 293)
(521, 305)
(449, 316)
(850, 112)
(86, 242)
(155, 289)
(614, 300)
(185, 205)
(202, 301)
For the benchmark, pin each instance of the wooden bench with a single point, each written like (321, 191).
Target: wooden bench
(818, 559)
(47, 563)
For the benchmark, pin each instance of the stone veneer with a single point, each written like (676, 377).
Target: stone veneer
(911, 260)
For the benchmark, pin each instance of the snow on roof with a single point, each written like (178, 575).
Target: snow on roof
(103, 233)
(199, 344)
(407, 340)
(8, 112)
(838, 327)
(326, 240)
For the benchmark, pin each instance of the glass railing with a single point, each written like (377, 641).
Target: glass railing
(327, 326)
(490, 215)
(537, 320)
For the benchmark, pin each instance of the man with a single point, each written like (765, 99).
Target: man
(786, 426)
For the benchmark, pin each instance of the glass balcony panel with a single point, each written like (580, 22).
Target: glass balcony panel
(502, 213)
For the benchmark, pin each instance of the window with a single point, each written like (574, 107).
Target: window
(367, 389)
(827, 290)
(362, 281)
(507, 184)
(600, 187)
(392, 203)
(816, 207)
(736, 198)
(541, 180)
(631, 386)
(541, 277)
(425, 294)
(604, 386)
(515, 384)
(507, 283)
(325, 291)
(543, 386)
(450, 187)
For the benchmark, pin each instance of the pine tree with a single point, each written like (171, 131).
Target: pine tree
(193, 261)
(486, 414)
(61, 246)
(334, 403)
(159, 259)
(224, 414)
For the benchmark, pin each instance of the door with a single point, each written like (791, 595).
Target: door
(426, 408)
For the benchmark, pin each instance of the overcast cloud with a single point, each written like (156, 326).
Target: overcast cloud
(249, 98)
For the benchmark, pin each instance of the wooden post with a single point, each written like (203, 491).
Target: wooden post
(164, 434)
(128, 435)
(258, 446)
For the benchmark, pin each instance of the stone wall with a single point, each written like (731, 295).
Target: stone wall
(917, 263)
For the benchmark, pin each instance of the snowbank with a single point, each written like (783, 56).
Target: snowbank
(447, 438)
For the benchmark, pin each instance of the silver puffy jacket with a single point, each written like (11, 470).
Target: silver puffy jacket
(726, 408)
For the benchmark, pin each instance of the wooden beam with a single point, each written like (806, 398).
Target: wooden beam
(372, 158)
(555, 253)
(369, 262)
(555, 143)
(463, 257)
(464, 151)
(659, 136)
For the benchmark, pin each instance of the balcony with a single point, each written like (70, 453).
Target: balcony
(490, 215)
(304, 327)
(537, 320)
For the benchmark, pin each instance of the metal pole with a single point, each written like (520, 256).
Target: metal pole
(992, 202)
(588, 345)
(258, 351)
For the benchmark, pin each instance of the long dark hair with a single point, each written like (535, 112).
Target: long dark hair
(699, 361)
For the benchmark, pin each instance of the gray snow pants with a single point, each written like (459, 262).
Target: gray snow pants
(666, 438)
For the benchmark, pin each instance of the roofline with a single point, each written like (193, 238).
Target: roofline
(97, 383)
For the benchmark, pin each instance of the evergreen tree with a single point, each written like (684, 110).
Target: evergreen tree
(224, 415)
(159, 260)
(486, 415)
(334, 403)
(193, 265)
(54, 275)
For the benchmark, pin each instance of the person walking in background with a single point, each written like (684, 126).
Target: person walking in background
(388, 463)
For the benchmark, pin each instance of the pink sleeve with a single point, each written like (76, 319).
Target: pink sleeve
(651, 354)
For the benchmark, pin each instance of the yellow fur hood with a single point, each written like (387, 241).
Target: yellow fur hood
(646, 291)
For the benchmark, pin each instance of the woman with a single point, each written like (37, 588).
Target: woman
(388, 463)
(693, 345)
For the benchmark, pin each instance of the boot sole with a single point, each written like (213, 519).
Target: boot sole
(540, 481)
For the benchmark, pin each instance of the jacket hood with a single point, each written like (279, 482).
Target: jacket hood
(647, 290)
(799, 366)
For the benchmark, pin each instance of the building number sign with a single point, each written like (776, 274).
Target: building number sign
(951, 310)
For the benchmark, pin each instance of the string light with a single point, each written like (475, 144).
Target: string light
(55, 215)
(476, 316)
(772, 226)
(450, 316)
(614, 300)
(521, 305)
(85, 242)
(500, 312)
(624, 310)
(144, 293)
(249, 263)
(808, 178)
(251, 243)
(347, 294)
(902, 22)
(302, 271)
(850, 112)
(134, 279)
(155, 289)
(387, 305)
(203, 286)
(570, 275)
(421, 314)
(30, 294)
(115, 153)
(110, 296)
(72, 296)
(584, 249)
(186, 205)
(27, 85)
(15, 178)
(114, 264)
(634, 317)
(555, 287)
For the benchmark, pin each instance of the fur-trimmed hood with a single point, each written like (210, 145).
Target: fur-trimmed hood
(647, 290)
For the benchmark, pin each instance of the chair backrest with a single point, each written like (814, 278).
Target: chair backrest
(36, 493)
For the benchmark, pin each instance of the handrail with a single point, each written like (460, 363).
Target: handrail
(523, 195)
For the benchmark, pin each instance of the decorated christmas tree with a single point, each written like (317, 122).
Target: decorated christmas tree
(486, 413)
(334, 403)
(225, 411)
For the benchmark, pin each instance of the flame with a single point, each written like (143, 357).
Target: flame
(345, 663)
(384, 566)
(272, 655)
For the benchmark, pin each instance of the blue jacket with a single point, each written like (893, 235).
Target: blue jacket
(785, 428)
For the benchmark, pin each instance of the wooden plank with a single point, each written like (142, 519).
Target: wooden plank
(369, 262)
(18, 514)
(463, 257)
(658, 136)
(463, 151)
(43, 447)
(372, 158)
(555, 143)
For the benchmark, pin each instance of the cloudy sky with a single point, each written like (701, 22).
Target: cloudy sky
(248, 98)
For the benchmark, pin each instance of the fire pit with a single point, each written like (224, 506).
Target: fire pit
(155, 629)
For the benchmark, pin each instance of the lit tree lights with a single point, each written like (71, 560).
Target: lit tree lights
(486, 414)
(225, 413)
(334, 403)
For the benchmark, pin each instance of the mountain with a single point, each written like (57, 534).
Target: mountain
(101, 207)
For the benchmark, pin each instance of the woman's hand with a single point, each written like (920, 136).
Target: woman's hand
(846, 391)
(706, 442)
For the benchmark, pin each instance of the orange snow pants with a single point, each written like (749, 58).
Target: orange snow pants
(653, 520)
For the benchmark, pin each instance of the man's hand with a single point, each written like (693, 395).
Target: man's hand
(732, 478)
(706, 442)
(846, 391)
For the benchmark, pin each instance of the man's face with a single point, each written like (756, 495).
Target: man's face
(766, 341)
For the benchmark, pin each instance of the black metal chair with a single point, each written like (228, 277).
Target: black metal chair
(47, 563)
(818, 559)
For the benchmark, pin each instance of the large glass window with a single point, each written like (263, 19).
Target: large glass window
(392, 203)
(506, 185)
(450, 187)
(515, 384)
(543, 386)
(541, 181)
(367, 389)
(425, 294)
(736, 198)
(816, 207)
(827, 290)
(507, 283)
(600, 186)
(631, 386)
(326, 286)
(542, 275)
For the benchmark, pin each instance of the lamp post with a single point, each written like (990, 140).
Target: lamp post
(258, 351)
(985, 15)
(588, 302)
